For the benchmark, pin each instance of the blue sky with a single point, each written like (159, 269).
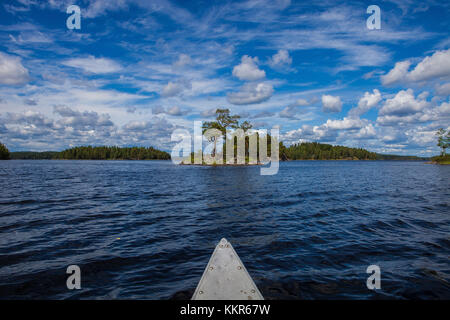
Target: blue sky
(137, 70)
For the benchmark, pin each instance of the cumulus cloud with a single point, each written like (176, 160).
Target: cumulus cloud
(331, 103)
(443, 89)
(431, 67)
(248, 70)
(405, 109)
(330, 131)
(175, 88)
(251, 93)
(155, 132)
(172, 111)
(345, 124)
(397, 74)
(72, 127)
(436, 66)
(86, 120)
(176, 111)
(12, 72)
(280, 60)
(404, 103)
(94, 65)
(367, 102)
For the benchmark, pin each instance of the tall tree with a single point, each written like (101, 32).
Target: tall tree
(443, 140)
(4, 152)
(224, 120)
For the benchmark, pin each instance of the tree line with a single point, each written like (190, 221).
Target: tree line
(112, 153)
(4, 152)
(89, 153)
(321, 151)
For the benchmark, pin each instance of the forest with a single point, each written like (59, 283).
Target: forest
(320, 151)
(112, 153)
(32, 155)
(4, 152)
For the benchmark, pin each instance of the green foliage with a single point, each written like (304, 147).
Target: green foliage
(224, 120)
(442, 159)
(443, 140)
(396, 157)
(319, 151)
(113, 153)
(31, 155)
(4, 152)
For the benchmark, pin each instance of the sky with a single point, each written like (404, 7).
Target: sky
(137, 70)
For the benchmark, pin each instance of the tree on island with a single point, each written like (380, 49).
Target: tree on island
(224, 120)
(443, 140)
(4, 152)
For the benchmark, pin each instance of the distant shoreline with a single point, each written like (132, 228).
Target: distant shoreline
(223, 165)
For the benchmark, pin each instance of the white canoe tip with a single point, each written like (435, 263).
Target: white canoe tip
(226, 278)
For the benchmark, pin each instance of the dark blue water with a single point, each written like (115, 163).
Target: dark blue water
(308, 232)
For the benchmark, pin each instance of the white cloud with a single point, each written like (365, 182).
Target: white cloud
(367, 102)
(12, 71)
(248, 70)
(404, 103)
(175, 88)
(95, 65)
(443, 90)
(251, 93)
(345, 124)
(172, 89)
(398, 73)
(172, 111)
(331, 103)
(432, 67)
(280, 60)
(176, 111)
(436, 66)
(404, 109)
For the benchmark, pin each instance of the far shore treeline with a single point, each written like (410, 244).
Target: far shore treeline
(96, 153)
(224, 120)
(303, 151)
(4, 152)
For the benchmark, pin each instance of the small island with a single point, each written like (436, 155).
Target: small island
(443, 143)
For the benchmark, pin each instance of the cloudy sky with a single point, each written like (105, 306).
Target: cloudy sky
(139, 69)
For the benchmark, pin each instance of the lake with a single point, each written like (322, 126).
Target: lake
(146, 229)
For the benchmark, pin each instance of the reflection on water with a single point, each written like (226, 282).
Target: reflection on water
(146, 229)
